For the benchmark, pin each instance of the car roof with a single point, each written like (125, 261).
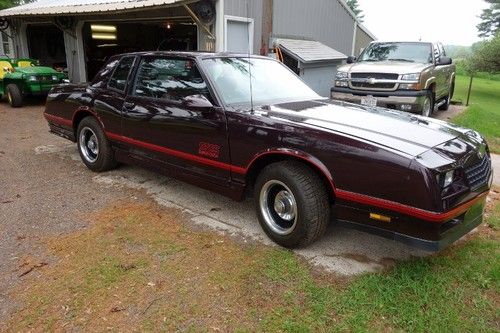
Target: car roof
(194, 54)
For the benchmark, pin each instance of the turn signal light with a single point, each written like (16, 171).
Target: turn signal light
(379, 217)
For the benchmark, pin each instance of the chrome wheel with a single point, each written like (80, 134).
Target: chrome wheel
(426, 108)
(278, 207)
(89, 146)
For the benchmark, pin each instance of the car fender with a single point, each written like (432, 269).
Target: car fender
(297, 154)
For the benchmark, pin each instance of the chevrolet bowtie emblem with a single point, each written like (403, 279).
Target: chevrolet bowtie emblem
(372, 80)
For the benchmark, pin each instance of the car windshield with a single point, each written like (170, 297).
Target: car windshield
(271, 82)
(407, 52)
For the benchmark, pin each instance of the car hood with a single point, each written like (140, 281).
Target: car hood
(403, 132)
(36, 70)
(393, 67)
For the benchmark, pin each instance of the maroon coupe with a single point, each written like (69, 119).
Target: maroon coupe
(244, 126)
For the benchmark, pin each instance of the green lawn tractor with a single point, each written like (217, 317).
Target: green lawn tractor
(24, 77)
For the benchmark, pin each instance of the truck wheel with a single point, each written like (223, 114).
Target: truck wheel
(93, 146)
(292, 204)
(446, 105)
(14, 95)
(428, 105)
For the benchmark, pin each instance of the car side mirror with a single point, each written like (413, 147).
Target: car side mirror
(444, 61)
(197, 101)
(351, 59)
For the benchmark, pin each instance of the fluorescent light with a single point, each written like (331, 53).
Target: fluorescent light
(102, 28)
(104, 36)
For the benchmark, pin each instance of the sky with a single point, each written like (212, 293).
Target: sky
(452, 22)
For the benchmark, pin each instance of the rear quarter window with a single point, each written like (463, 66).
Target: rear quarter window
(118, 80)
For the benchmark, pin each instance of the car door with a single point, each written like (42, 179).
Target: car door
(109, 91)
(169, 115)
(440, 73)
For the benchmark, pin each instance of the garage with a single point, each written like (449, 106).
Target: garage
(81, 35)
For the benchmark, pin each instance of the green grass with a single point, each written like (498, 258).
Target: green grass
(483, 113)
(445, 293)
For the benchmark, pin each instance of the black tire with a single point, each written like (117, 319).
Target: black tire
(447, 103)
(14, 95)
(312, 213)
(427, 111)
(93, 146)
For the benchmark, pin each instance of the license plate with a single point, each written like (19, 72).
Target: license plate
(369, 101)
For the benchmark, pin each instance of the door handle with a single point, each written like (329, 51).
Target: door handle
(128, 105)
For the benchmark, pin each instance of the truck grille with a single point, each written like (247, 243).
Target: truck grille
(478, 173)
(379, 76)
(379, 85)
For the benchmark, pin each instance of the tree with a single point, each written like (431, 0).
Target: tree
(486, 57)
(354, 5)
(490, 19)
(11, 3)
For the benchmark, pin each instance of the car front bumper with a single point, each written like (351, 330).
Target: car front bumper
(425, 235)
(410, 101)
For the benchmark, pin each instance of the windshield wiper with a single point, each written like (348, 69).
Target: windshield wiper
(396, 59)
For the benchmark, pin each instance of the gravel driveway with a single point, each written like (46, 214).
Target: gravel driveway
(46, 190)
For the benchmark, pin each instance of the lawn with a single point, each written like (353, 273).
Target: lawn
(483, 114)
(137, 268)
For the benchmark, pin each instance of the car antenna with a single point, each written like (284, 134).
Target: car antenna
(249, 62)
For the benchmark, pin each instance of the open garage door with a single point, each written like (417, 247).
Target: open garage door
(46, 43)
(105, 39)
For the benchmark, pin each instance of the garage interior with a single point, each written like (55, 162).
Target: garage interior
(46, 44)
(104, 39)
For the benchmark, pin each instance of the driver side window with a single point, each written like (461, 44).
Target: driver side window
(171, 79)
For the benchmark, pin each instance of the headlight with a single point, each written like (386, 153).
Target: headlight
(32, 78)
(55, 78)
(411, 77)
(341, 76)
(445, 179)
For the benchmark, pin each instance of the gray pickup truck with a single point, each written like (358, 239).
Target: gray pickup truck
(409, 76)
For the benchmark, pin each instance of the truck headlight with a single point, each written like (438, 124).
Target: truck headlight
(411, 77)
(32, 78)
(341, 79)
(341, 75)
(445, 179)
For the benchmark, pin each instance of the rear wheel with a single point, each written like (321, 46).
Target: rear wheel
(447, 103)
(14, 95)
(94, 148)
(428, 105)
(292, 204)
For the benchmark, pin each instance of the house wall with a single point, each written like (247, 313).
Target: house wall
(239, 8)
(326, 21)
(362, 41)
(320, 78)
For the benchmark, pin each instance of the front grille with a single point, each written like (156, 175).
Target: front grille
(478, 173)
(378, 76)
(373, 86)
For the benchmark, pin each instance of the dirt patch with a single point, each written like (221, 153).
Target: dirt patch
(138, 267)
(453, 111)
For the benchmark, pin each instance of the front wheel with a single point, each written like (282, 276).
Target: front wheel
(292, 204)
(14, 95)
(428, 105)
(94, 148)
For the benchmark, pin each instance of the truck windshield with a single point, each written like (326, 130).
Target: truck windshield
(271, 81)
(407, 52)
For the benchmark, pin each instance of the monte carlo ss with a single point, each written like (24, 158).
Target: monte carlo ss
(247, 126)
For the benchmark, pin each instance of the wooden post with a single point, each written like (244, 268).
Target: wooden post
(267, 26)
(470, 88)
